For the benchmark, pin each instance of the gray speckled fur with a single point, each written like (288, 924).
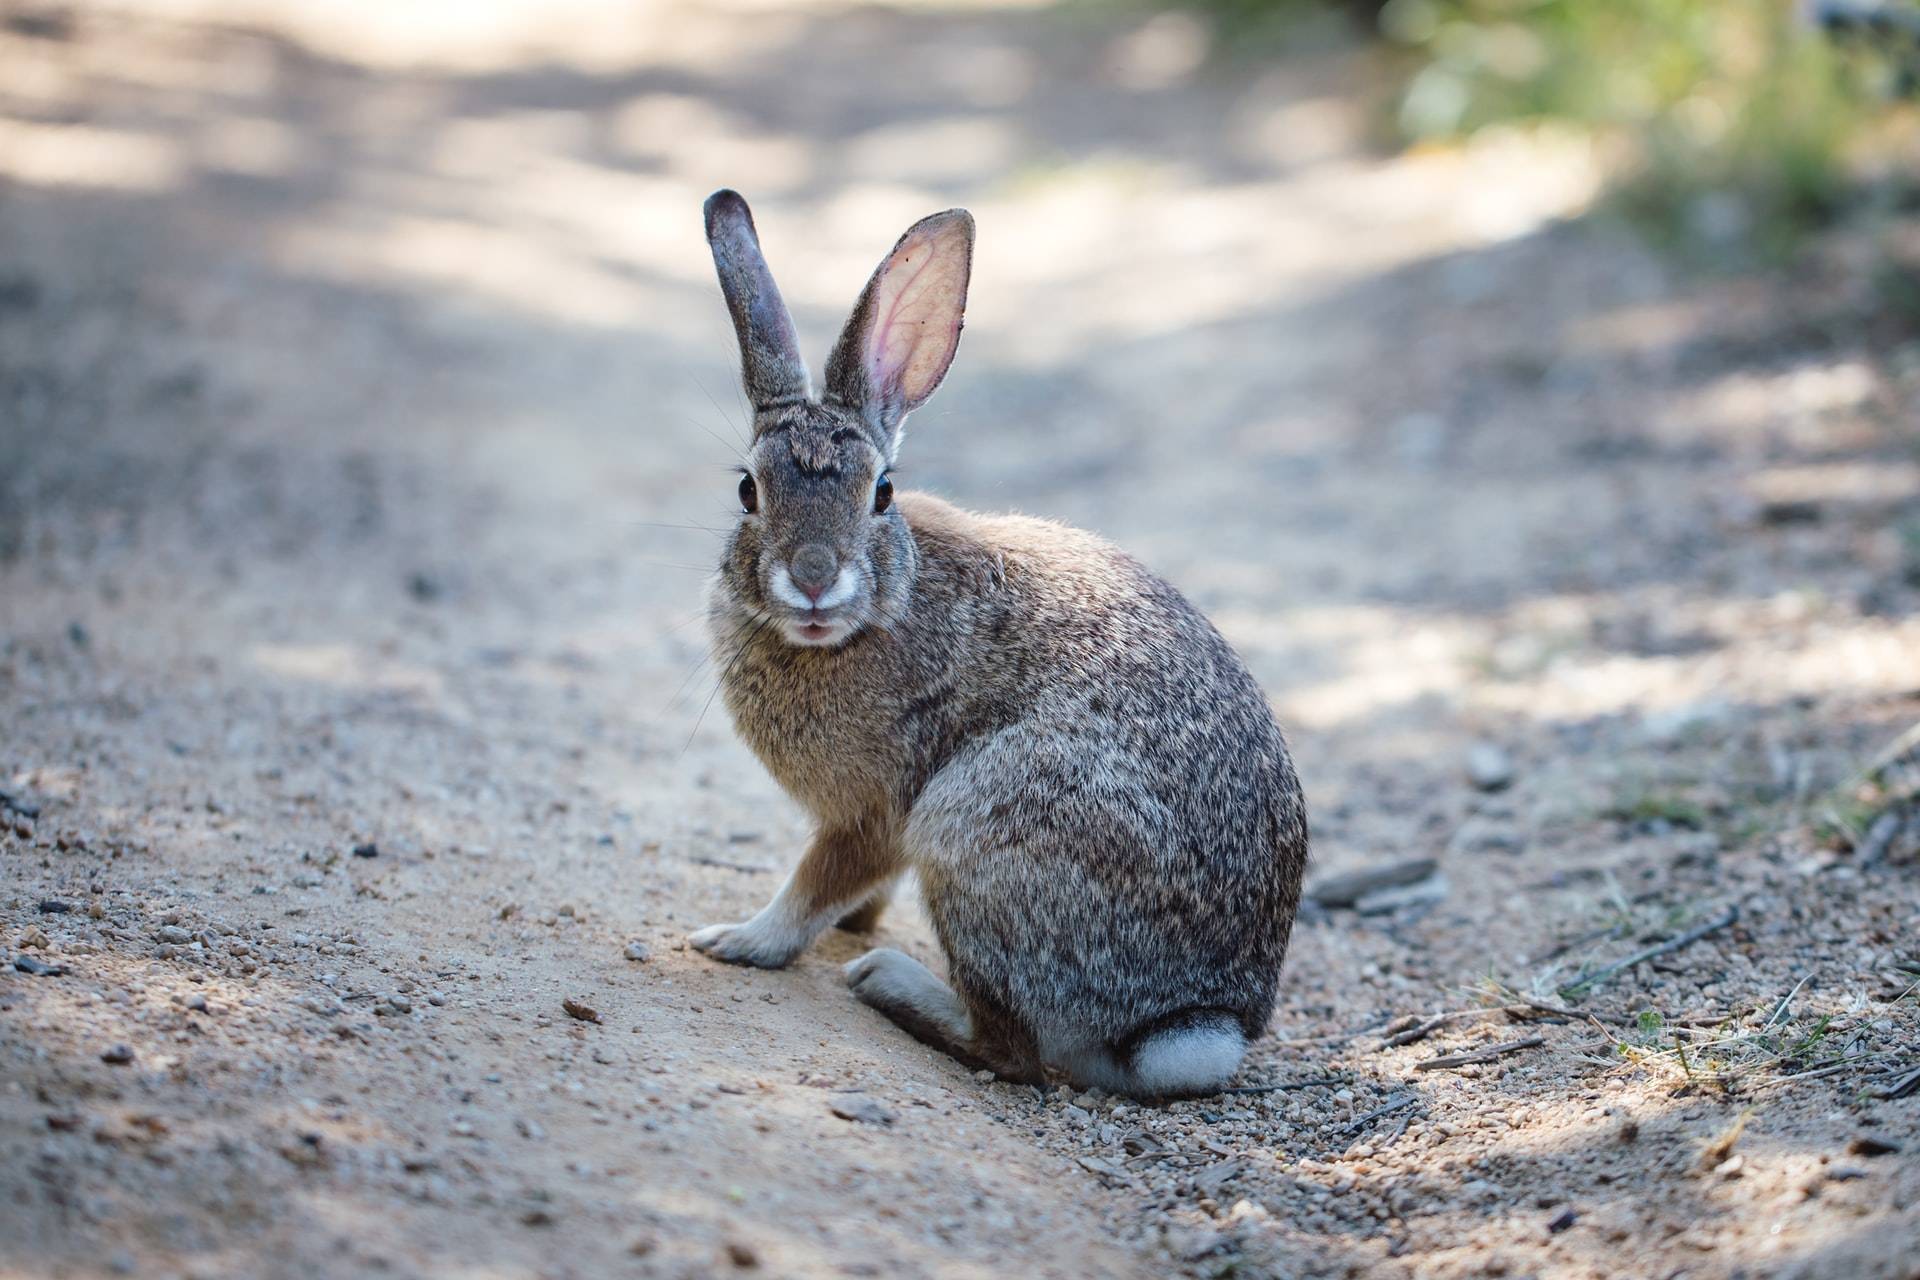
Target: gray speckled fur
(1095, 796)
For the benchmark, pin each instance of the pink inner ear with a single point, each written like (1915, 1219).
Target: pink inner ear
(917, 312)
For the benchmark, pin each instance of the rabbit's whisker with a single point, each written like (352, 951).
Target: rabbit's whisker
(732, 662)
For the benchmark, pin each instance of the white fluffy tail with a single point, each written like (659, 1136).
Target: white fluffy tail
(1194, 1059)
(1191, 1057)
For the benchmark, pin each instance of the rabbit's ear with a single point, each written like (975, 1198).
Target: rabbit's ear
(906, 326)
(770, 362)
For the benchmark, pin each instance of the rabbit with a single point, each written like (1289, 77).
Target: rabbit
(1090, 787)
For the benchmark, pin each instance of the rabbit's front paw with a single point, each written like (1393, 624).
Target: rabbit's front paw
(751, 942)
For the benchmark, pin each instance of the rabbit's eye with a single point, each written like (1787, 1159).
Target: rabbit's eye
(749, 495)
(882, 493)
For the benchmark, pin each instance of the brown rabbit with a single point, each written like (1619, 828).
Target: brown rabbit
(1089, 785)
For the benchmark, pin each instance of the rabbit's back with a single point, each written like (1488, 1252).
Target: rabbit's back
(1113, 802)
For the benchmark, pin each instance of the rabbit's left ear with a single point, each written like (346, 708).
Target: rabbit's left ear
(906, 327)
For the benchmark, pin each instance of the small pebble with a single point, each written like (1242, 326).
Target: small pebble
(860, 1109)
(637, 951)
(118, 1054)
(367, 850)
(1489, 767)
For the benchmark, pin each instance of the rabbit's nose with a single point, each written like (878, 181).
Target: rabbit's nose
(814, 568)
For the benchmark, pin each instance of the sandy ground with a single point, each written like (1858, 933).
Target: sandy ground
(365, 403)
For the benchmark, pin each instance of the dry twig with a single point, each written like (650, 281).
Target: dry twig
(1393, 1104)
(1316, 1083)
(1575, 990)
(1906, 1084)
(1471, 1057)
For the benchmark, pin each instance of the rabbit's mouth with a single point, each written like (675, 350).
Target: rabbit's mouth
(818, 627)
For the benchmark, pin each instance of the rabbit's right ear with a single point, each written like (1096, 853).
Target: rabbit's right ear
(906, 327)
(770, 362)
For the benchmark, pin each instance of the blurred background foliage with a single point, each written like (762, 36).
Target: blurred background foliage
(1731, 129)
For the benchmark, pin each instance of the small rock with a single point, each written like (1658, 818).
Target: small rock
(1190, 1244)
(394, 1006)
(54, 907)
(1489, 767)
(1667, 727)
(741, 1254)
(1561, 1221)
(367, 850)
(637, 951)
(584, 1012)
(1209, 1181)
(174, 934)
(1386, 901)
(860, 1109)
(1479, 835)
(118, 1054)
(1347, 888)
(1879, 838)
(38, 968)
(1867, 1144)
(1781, 511)
(34, 938)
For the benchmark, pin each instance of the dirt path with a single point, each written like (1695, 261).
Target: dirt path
(354, 383)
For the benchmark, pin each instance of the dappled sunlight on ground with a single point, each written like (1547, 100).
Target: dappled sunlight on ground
(366, 410)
